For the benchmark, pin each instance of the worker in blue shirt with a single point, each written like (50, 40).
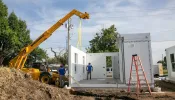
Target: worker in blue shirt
(89, 70)
(62, 72)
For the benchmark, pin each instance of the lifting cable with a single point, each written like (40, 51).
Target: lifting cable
(79, 36)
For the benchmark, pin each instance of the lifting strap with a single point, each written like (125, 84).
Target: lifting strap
(79, 36)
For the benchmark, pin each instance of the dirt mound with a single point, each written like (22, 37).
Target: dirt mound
(14, 85)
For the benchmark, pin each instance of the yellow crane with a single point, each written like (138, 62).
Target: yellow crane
(19, 61)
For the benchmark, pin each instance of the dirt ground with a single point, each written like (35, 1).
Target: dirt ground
(116, 94)
(166, 86)
(168, 91)
(14, 85)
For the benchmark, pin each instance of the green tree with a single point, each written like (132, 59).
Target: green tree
(163, 62)
(14, 35)
(21, 32)
(6, 35)
(38, 54)
(108, 61)
(52, 60)
(3, 9)
(105, 41)
(61, 56)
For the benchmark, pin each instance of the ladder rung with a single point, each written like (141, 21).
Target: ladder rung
(133, 80)
(137, 65)
(142, 80)
(138, 74)
(138, 70)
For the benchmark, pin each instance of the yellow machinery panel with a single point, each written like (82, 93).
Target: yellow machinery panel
(35, 73)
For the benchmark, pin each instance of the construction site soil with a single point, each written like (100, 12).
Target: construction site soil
(16, 85)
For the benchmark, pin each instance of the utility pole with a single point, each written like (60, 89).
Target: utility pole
(68, 36)
(69, 26)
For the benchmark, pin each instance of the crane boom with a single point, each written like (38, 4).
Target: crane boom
(19, 61)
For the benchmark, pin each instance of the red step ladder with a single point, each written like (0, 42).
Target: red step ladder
(138, 67)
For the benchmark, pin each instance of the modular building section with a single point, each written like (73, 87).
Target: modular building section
(78, 60)
(139, 44)
(170, 57)
(77, 65)
(128, 44)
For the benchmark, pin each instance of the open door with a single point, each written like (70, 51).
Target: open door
(109, 67)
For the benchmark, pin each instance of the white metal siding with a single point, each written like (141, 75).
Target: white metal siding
(116, 69)
(138, 44)
(78, 75)
(98, 61)
(121, 59)
(140, 48)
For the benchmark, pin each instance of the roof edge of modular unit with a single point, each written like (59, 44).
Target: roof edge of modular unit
(130, 41)
(172, 47)
(136, 37)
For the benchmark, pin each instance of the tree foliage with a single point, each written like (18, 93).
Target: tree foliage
(163, 62)
(105, 41)
(60, 57)
(108, 61)
(14, 35)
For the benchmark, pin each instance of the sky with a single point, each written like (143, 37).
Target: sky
(156, 17)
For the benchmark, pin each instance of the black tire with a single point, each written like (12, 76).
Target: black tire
(45, 77)
(57, 82)
(156, 76)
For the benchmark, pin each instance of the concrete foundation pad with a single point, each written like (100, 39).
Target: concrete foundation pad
(107, 83)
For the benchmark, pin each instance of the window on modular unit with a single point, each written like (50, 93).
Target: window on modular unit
(172, 62)
(108, 61)
(76, 61)
(76, 58)
(83, 63)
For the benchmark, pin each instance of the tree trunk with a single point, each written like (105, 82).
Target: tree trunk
(1, 60)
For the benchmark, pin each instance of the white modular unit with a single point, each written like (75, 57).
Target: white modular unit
(77, 64)
(139, 44)
(170, 57)
(128, 44)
